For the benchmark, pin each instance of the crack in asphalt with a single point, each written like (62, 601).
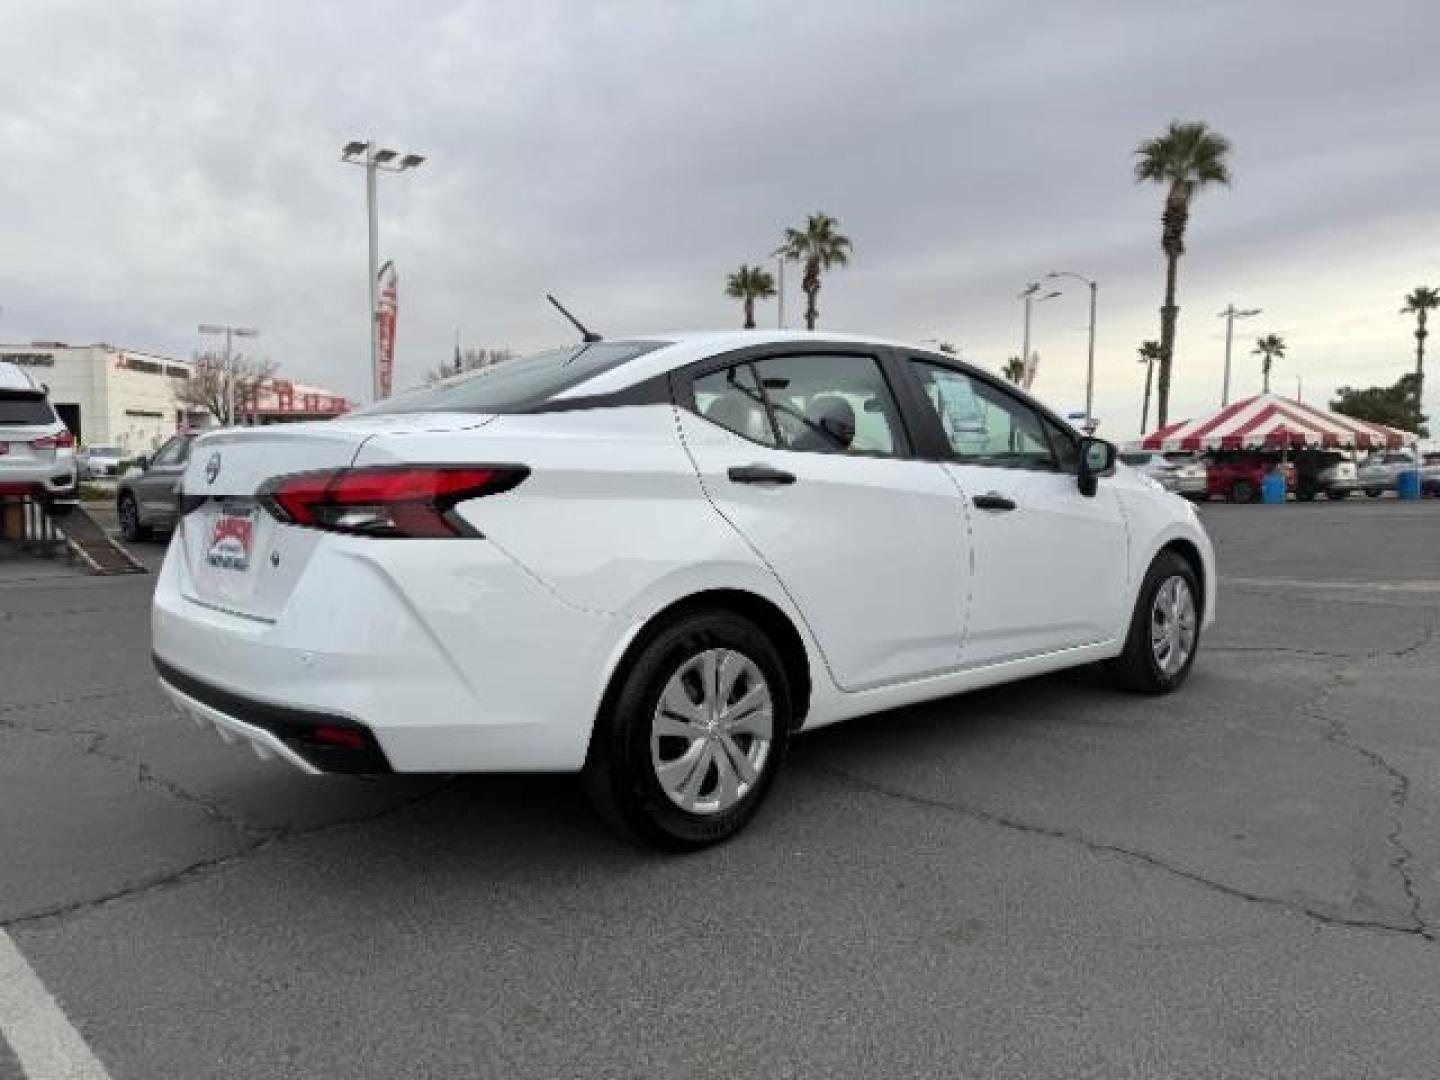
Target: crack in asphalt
(75, 699)
(1339, 734)
(1335, 732)
(204, 867)
(1004, 821)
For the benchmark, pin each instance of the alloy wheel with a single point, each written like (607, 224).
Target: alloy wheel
(712, 731)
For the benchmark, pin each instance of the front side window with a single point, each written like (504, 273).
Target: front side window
(732, 398)
(983, 424)
(832, 405)
(170, 454)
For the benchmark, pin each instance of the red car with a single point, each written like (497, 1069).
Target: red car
(1237, 476)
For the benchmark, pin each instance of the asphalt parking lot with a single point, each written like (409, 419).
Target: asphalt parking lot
(1046, 880)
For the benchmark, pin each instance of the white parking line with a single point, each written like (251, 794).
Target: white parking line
(40, 1036)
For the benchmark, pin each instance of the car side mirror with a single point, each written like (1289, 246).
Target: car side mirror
(142, 462)
(1097, 459)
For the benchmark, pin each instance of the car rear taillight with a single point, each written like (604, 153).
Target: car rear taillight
(62, 441)
(386, 500)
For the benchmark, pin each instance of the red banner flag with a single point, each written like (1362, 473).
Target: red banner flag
(389, 309)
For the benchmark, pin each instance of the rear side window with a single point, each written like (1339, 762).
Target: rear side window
(25, 409)
(516, 385)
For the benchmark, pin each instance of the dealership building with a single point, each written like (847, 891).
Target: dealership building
(109, 396)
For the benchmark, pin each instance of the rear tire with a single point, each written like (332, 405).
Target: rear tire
(1164, 629)
(1242, 491)
(665, 762)
(1336, 496)
(131, 527)
(1374, 493)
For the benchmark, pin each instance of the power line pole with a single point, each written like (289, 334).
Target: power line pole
(229, 332)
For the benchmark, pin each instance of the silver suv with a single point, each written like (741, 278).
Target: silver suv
(37, 451)
(1381, 472)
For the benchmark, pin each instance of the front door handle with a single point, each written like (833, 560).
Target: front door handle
(760, 474)
(993, 500)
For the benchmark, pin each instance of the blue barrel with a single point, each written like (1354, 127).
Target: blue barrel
(1272, 488)
(1407, 484)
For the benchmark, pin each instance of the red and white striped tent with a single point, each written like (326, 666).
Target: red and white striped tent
(1269, 421)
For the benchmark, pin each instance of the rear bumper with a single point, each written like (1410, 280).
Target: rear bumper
(1190, 485)
(451, 655)
(276, 731)
(39, 483)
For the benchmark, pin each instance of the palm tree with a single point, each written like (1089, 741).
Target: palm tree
(1014, 370)
(1271, 347)
(1420, 301)
(1187, 158)
(748, 284)
(1149, 352)
(817, 247)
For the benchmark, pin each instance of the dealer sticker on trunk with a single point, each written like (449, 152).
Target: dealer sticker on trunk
(232, 536)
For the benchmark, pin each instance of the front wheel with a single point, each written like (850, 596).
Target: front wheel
(1374, 493)
(1164, 630)
(1242, 491)
(1336, 496)
(693, 732)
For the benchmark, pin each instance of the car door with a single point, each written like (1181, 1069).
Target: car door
(157, 489)
(1050, 567)
(805, 452)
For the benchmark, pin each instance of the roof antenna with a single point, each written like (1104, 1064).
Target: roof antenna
(588, 336)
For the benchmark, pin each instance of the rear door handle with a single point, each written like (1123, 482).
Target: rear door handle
(760, 474)
(993, 500)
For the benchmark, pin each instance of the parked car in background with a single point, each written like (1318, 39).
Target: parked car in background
(1236, 475)
(37, 451)
(99, 461)
(1324, 472)
(1184, 474)
(1381, 472)
(392, 591)
(1430, 474)
(1190, 474)
(145, 498)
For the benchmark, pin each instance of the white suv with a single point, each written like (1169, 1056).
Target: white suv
(37, 451)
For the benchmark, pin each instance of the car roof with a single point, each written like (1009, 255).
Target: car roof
(14, 377)
(679, 348)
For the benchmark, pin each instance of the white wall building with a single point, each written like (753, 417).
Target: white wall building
(109, 396)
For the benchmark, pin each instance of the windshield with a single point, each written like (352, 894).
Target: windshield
(516, 385)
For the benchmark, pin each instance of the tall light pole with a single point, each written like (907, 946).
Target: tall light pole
(375, 158)
(1090, 362)
(1028, 295)
(229, 332)
(1230, 314)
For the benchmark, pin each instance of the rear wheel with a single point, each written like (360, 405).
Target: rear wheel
(1337, 495)
(1164, 630)
(1374, 493)
(131, 527)
(1306, 495)
(1242, 491)
(692, 733)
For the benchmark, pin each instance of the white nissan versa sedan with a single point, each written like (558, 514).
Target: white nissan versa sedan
(654, 561)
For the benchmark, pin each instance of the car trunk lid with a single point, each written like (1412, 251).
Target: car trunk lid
(238, 557)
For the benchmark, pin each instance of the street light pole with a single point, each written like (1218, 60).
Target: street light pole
(1028, 295)
(1230, 314)
(374, 158)
(1090, 362)
(229, 332)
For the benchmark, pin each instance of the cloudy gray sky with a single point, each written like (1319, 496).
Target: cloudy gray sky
(167, 163)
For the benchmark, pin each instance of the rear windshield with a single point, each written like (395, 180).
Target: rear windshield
(516, 385)
(25, 409)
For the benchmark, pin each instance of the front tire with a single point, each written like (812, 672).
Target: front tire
(692, 733)
(1164, 630)
(1374, 493)
(1242, 491)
